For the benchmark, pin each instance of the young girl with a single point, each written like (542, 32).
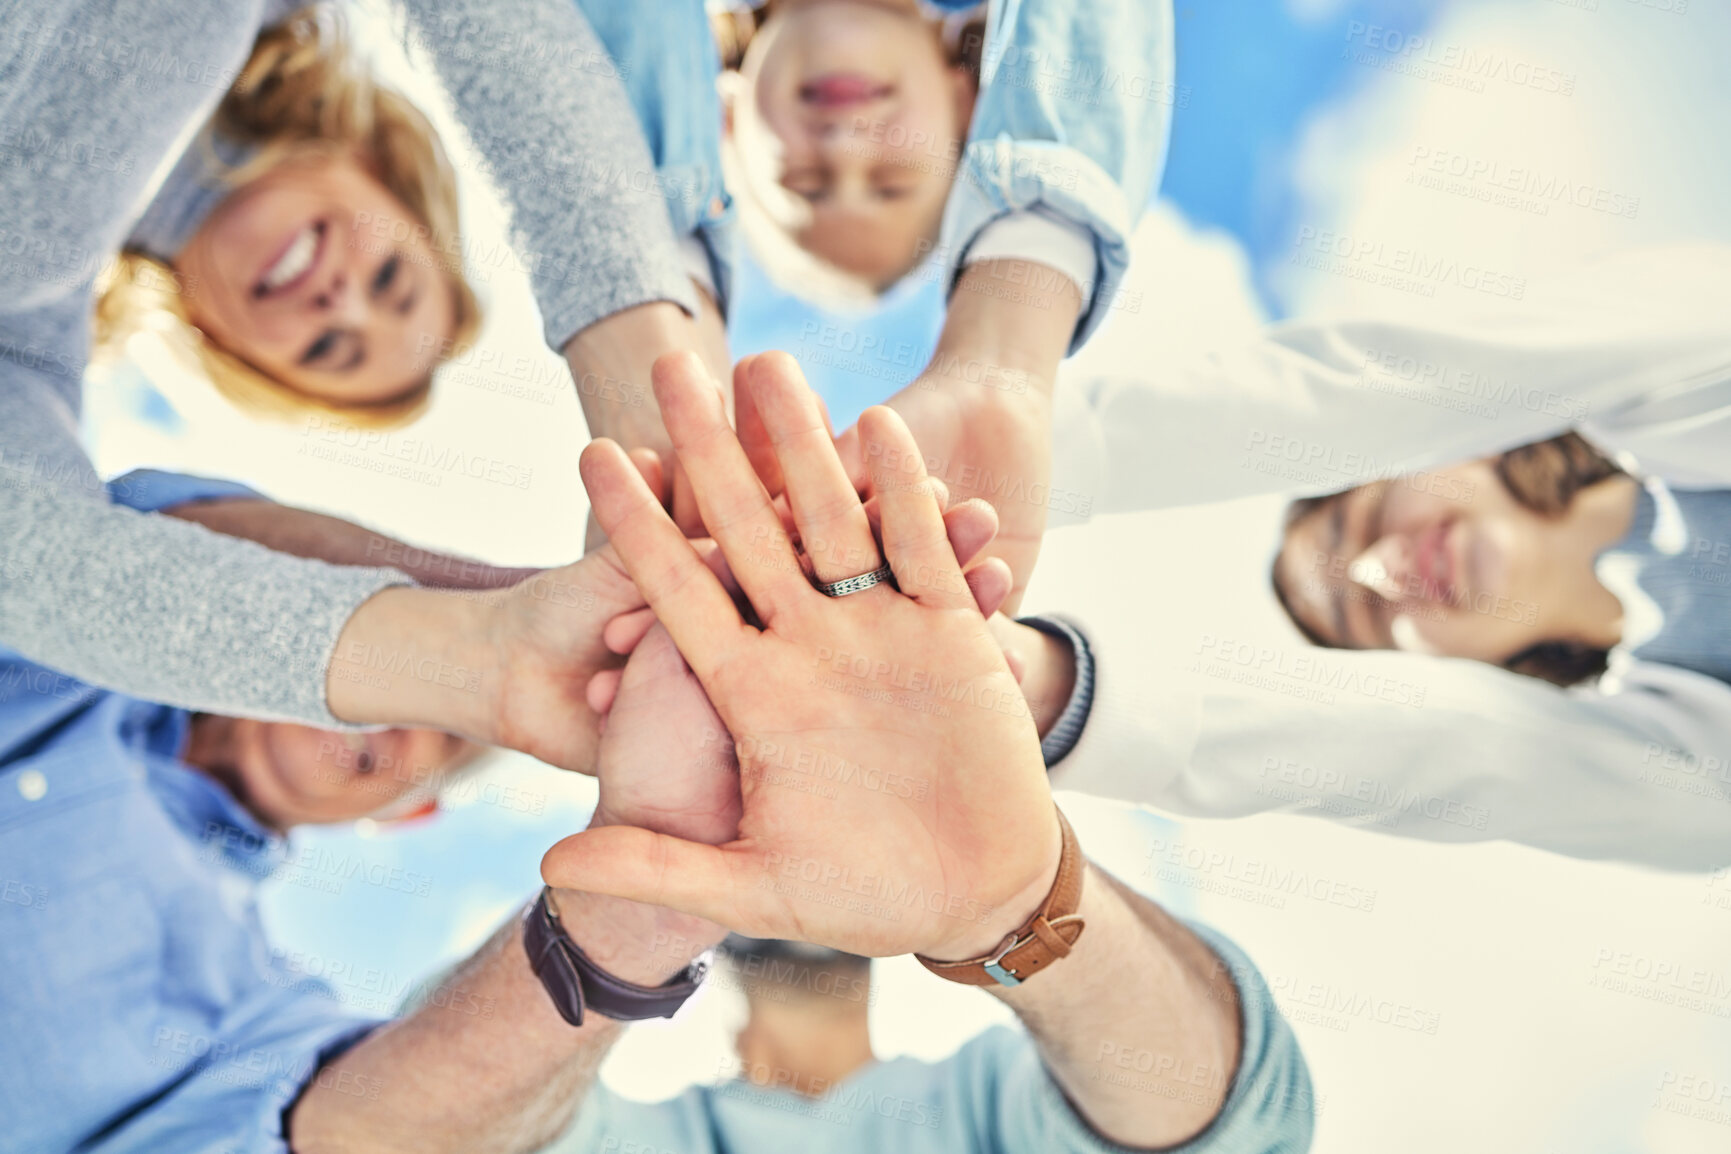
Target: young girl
(305, 249)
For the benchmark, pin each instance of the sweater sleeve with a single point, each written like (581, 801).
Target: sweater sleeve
(145, 604)
(545, 108)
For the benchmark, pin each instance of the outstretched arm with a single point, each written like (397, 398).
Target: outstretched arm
(450, 1079)
(1138, 984)
(982, 410)
(304, 533)
(555, 128)
(454, 1080)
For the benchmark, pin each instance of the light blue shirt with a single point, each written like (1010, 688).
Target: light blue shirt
(667, 59)
(993, 1096)
(1072, 119)
(143, 1009)
(1678, 550)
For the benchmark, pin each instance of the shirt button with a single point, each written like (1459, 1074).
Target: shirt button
(32, 786)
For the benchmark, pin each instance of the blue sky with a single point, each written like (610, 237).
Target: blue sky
(1251, 74)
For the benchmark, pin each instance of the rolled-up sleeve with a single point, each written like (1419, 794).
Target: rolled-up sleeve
(1268, 1109)
(154, 490)
(1073, 117)
(236, 1094)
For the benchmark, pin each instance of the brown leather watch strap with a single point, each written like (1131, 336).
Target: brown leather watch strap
(1041, 940)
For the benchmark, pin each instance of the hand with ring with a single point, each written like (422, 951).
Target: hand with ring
(938, 782)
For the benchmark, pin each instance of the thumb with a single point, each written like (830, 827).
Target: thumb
(623, 861)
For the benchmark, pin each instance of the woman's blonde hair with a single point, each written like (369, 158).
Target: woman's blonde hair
(302, 93)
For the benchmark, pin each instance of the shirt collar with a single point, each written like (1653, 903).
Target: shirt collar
(204, 810)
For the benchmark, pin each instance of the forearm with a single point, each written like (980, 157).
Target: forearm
(560, 139)
(507, 1077)
(610, 361)
(303, 533)
(999, 333)
(151, 607)
(1138, 984)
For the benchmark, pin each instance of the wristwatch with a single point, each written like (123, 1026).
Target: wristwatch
(577, 985)
(1041, 940)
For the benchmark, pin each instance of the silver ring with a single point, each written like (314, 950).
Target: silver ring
(857, 584)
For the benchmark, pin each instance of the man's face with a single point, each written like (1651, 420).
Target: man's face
(297, 775)
(1445, 563)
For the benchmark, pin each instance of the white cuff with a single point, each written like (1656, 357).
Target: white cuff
(1044, 238)
(694, 257)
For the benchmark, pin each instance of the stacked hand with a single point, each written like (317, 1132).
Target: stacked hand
(891, 793)
(992, 445)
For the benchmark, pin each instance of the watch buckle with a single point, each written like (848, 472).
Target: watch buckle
(995, 968)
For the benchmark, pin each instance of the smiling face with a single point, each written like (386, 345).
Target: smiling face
(1446, 562)
(289, 775)
(317, 276)
(849, 126)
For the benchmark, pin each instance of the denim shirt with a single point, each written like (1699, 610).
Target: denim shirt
(143, 1007)
(667, 59)
(1672, 571)
(1072, 118)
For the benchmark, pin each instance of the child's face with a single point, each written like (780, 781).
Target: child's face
(849, 127)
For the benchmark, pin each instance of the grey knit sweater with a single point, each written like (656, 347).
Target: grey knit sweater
(97, 97)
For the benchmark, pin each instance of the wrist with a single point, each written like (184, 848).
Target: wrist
(610, 362)
(977, 939)
(635, 942)
(1048, 669)
(717, 828)
(418, 658)
(1051, 678)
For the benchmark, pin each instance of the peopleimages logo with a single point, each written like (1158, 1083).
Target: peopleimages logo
(1398, 266)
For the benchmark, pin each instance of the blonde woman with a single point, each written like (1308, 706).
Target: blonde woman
(306, 248)
(105, 99)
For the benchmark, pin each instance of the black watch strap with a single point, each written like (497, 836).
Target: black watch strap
(577, 985)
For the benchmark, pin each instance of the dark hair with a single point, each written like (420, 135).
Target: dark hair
(1543, 477)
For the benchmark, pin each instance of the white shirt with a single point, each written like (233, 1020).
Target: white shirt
(1634, 353)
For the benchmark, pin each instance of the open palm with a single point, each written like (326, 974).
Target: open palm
(893, 794)
(666, 761)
